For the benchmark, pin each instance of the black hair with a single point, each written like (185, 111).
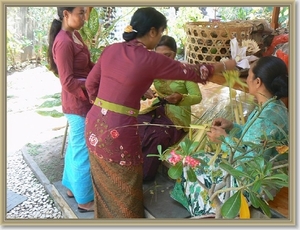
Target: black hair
(143, 20)
(54, 29)
(169, 42)
(273, 73)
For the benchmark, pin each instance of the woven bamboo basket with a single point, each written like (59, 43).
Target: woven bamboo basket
(209, 42)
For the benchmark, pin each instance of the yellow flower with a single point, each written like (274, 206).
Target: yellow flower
(282, 149)
(244, 209)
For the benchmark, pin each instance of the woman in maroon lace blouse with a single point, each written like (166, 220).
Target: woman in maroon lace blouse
(123, 73)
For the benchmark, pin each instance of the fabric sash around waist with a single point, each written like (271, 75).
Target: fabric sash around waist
(116, 108)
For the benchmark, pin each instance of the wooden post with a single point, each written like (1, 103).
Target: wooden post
(64, 140)
(275, 16)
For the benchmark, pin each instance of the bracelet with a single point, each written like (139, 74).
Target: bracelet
(224, 65)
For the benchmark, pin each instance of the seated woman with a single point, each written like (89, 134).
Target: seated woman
(267, 124)
(172, 113)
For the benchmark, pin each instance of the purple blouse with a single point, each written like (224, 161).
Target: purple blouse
(73, 64)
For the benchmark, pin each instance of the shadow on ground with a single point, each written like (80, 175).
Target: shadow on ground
(48, 157)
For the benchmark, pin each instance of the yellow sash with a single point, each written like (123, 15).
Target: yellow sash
(116, 108)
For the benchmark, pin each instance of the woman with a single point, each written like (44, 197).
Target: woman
(267, 78)
(116, 84)
(173, 117)
(69, 58)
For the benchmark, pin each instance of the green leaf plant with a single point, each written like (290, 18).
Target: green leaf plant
(96, 31)
(252, 176)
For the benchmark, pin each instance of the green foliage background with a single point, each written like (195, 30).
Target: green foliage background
(97, 31)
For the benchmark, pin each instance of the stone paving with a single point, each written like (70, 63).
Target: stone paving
(27, 197)
(13, 199)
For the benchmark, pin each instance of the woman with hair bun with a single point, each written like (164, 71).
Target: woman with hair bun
(267, 78)
(116, 84)
(268, 82)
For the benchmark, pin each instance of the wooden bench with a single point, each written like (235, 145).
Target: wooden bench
(280, 204)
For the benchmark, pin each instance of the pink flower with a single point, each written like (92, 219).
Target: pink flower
(175, 158)
(192, 161)
(93, 139)
(114, 134)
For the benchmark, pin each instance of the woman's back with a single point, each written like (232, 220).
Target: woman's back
(130, 70)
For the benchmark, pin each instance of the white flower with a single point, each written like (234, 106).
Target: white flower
(93, 139)
(104, 111)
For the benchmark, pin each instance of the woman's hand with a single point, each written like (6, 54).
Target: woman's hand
(174, 98)
(149, 94)
(228, 64)
(223, 123)
(215, 133)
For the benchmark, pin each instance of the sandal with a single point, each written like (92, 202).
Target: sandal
(82, 210)
(70, 196)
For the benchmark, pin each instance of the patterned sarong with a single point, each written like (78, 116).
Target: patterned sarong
(118, 189)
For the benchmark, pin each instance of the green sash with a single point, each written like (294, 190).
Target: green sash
(116, 108)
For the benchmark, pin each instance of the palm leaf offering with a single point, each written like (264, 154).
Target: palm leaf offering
(223, 102)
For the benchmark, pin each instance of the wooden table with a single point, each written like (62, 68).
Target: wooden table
(220, 80)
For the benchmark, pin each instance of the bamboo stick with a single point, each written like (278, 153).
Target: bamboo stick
(236, 113)
(241, 112)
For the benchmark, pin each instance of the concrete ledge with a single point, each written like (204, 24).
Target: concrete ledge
(58, 192)
(50, 188)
